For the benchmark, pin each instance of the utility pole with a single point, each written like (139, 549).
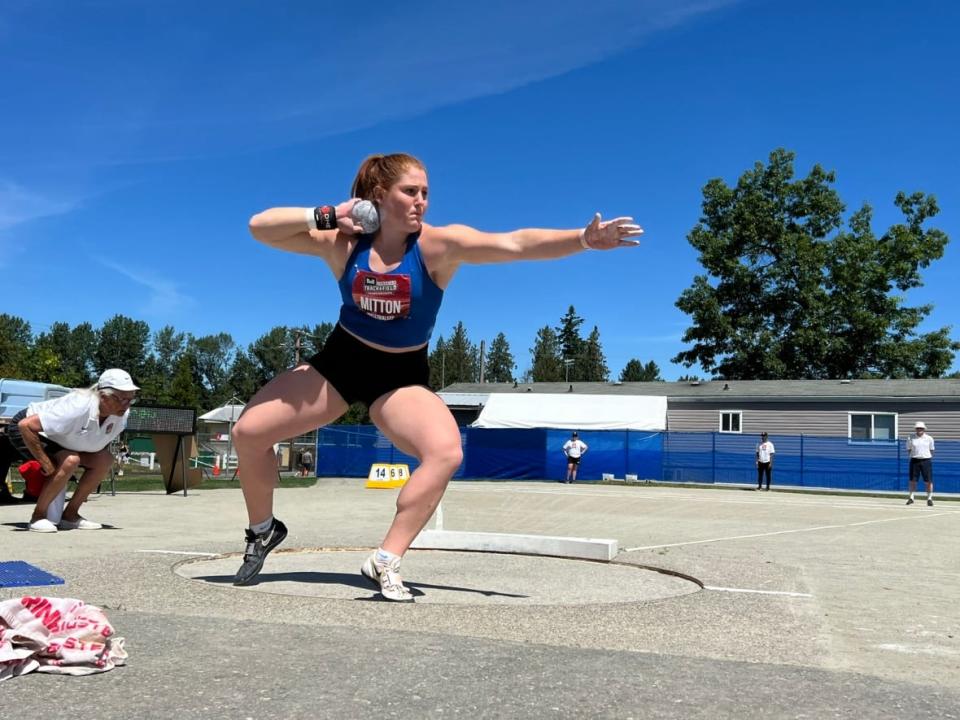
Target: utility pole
(567, 362)
(482, 351)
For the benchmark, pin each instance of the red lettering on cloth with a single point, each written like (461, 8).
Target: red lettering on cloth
(41, 609)
(382, 296)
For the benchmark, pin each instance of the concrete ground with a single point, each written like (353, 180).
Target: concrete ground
(723, 603)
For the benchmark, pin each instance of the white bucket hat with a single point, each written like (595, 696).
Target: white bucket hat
(919, 425)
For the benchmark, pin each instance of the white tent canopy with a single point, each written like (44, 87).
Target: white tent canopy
(582, 412)
(227, 414)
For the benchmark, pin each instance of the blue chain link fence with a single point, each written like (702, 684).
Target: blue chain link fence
(692, 457)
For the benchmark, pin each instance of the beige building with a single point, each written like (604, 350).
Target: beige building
(855, 409)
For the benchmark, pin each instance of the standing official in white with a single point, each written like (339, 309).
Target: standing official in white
(765, 453)
(574, 449)
(920, 448)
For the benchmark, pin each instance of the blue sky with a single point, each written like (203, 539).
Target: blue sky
(137, 138)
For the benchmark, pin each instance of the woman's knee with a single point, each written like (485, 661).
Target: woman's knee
(248, 433)
(70, 462)
(448, 457)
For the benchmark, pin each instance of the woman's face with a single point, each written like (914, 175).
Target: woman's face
(405, 203)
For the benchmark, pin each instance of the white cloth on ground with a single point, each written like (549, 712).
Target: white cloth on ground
(56, 635)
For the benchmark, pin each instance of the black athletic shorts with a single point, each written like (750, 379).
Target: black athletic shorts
(13, 451)
(15, 440)
(573, 460)
(361, 373)
(921, 467)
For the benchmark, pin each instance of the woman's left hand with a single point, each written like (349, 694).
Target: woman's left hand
(609, 234)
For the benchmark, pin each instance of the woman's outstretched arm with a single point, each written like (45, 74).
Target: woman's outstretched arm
(454, 245)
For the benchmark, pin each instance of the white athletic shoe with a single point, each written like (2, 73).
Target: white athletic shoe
(386, 578)
(43, 525)
(79, 524)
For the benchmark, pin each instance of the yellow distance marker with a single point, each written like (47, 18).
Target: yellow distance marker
(386, 475)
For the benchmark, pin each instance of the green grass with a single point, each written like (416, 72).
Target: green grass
(153, 482)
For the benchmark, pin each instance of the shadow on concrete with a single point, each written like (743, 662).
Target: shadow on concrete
(347, 579)
(25, 527)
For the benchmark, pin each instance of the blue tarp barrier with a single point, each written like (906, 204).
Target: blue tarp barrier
(690, 457)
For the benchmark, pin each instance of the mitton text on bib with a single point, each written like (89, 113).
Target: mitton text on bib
(382, 296)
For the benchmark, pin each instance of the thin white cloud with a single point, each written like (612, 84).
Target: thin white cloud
(331, 75)
(164, 298)
(19, 205)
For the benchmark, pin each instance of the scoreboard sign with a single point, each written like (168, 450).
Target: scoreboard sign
(160, 419)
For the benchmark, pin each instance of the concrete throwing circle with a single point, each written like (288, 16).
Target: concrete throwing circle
(445, 577)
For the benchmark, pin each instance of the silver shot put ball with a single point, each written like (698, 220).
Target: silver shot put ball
(364, 213)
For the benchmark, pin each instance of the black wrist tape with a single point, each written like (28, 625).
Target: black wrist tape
(326, 217)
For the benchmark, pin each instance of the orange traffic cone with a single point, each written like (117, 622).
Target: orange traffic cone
(216, 467)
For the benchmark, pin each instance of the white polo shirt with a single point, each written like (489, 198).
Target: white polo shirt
(920, 447)
(73, 421)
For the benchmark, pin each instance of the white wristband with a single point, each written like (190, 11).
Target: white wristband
(311, 219)
(583, 240)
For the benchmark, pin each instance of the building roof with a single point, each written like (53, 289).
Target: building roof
(938, 390)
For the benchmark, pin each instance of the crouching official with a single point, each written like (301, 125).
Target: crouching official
(65, 434)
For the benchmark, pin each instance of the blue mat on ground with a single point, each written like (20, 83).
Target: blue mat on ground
(17, 573)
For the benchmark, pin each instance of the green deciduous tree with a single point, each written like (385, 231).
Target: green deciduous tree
(787, 294)
(636, 371)
(212, 354)
(871, 331)
(74, 351)
(16, 339)
(242, 378)
(273, 353)
(186, 387)
(499, 363)
(356, 414)
(312, 339)
(157, 377)
(123, 343)
(167, 346)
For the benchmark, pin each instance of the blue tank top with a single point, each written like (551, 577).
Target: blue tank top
(395, 309)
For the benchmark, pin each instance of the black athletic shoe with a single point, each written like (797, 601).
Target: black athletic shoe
(909, 501)
(257, 548)
(930, 502)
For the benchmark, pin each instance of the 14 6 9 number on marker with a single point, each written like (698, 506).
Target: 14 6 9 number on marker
(388, 475)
